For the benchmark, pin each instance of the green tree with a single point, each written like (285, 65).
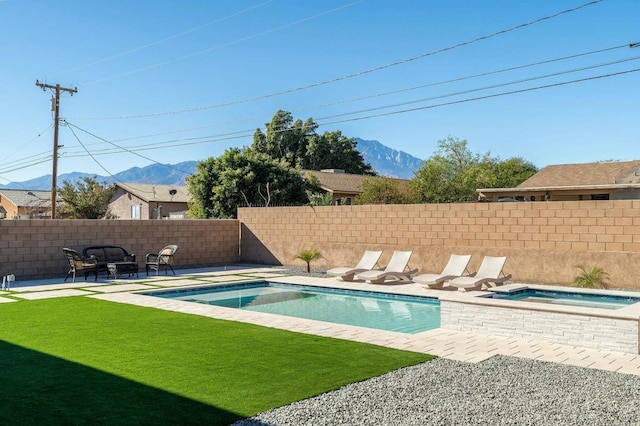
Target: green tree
(451, 174)
(454, 173)
(285, 138)
(241, 177)
(512, 172)
(87, 199)
(383, 190)
(298, 143)
(333, 150)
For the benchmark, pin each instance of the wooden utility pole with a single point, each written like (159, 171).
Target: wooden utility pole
(55, 106)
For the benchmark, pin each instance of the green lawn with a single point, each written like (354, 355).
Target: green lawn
(86, 361)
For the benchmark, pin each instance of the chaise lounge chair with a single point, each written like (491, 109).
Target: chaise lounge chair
(397, 268)
(456, 267)
(488, 273)
(368, 262)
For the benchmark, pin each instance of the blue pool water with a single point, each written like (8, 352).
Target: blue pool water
(382, 311)
(600, 301)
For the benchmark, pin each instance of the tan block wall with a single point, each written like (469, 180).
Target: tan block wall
(33, 248)
(543, 241)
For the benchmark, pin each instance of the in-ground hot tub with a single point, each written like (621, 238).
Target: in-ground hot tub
(602, 319)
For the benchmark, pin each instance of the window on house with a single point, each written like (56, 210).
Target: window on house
(135, 211)
(600, 196)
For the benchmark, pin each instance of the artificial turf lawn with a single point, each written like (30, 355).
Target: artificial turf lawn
(86, 361)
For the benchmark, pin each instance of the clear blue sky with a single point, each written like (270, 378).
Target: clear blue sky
(192, 78)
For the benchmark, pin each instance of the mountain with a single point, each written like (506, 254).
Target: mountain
(388, 162)
(384, 160)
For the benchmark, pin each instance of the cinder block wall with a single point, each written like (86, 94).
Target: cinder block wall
(33, 248)
(544, 241)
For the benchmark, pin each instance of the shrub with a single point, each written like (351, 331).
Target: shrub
(591, 277)
(308, 256)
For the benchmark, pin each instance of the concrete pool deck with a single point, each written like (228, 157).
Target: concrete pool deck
(445, 343)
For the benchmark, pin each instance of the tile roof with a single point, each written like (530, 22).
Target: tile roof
(27, 197)
(583, 174)
(161, 193)
(341, 182)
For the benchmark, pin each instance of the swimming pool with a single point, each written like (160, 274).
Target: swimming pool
(569, 298)
(382, 311)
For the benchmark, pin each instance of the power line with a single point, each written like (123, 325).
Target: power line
(223, 45)
(100, 164)
(360, 73)
(246, 133)
(23, 166)
(71, 126)
(146, 46)
(37, 159)
(156, 145)
(494, 86)
(403, 111)
(513, 92)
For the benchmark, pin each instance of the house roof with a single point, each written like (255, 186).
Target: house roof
(27, 197)
(159, 193)
(582, 176)
(340, 182)
(585, 174)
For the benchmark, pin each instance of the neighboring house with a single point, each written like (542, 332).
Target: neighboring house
(149, 201)
(25, 204)
(344, 187)
(619, 180)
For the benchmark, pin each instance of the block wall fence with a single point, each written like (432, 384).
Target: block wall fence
(33, 248)
(544, 241)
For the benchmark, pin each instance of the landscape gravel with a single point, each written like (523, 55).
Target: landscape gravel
(499, 391)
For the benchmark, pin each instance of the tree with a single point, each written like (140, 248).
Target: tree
(243, 177)
(450, 175)
(87, 199)
(512, 172)
(298, 143)
(382, 190)
(454, 173)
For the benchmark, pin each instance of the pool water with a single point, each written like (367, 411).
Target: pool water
(382, 311)
(590, 300)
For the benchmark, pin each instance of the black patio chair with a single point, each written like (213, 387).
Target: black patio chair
(78, 263)
(164, 259)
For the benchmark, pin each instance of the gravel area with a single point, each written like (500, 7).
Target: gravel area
(302, 271)
(499, 391)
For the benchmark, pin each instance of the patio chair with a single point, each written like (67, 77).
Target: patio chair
(490, 272)
(456, 267)
(397, 268)
(368, 262)
(164, 259)
(88, 265)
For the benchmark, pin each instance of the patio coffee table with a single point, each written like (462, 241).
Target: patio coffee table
(116, 268)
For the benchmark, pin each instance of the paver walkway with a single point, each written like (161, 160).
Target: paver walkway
(450, 344)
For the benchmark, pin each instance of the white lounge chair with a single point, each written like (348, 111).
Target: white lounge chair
(397, 268)
(456, 267)
(490, 272)
(368, 262)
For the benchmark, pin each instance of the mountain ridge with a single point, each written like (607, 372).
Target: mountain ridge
(384, 160)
